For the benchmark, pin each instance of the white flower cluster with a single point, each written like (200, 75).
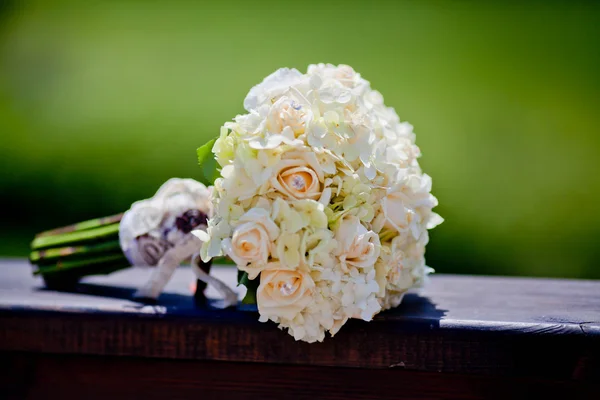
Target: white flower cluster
(153, 226)
(322, 199)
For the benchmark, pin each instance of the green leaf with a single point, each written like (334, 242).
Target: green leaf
(250, 297)
(205, 151)
(209, 171)
(224, 260)
(242, 278)
(251, 286)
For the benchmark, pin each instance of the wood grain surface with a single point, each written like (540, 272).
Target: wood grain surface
(35, 376)
(486, 326)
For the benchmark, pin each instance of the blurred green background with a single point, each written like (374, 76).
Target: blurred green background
(101, 102)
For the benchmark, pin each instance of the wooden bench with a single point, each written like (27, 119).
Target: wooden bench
(462, 337)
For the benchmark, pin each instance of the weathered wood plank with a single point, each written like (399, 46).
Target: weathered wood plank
(542, 328)
(42, 376)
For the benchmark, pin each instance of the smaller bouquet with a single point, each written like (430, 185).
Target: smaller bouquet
(320, 201)
(153, 233)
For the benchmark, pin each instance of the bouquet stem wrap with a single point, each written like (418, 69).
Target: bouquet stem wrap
(64, 255)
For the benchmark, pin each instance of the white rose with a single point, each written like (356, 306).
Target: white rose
(399, 276)
(299, 176)
(397, 215)
(252, 241)
(287, 112)
(357, 246)
(343, 74)
(271, 125)
(283, 293)
(272, 86)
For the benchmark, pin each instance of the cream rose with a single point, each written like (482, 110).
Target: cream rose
(299, 176)
(283, 293)
(357, 246)
(252, 241)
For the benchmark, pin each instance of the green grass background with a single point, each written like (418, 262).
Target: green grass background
(100, 102)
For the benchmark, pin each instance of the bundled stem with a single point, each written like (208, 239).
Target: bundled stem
(64, 255)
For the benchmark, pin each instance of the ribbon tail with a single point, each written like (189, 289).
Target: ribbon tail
(166, 266)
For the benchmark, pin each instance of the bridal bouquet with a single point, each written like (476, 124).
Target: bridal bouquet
(320, 201)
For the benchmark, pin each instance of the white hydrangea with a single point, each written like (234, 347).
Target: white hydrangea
(322, 199)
